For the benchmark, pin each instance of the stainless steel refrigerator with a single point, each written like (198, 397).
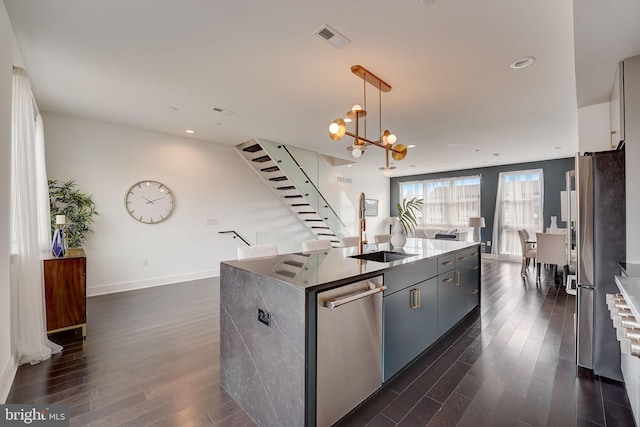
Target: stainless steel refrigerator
(600, 246)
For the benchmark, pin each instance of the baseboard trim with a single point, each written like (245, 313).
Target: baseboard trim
(6, 380)
(93, 291)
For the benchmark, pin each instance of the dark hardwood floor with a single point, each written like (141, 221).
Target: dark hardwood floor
(152, 358)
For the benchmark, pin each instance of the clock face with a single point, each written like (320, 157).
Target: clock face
(149, 202)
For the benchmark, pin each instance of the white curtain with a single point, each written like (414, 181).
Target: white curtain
(448, 202)
(29, 227)
(519, 205)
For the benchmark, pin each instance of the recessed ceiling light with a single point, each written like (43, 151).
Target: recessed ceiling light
(190, 131)
(411, 146)
(349, 166)
(453, 144)
(522, 62)
(172, 108)
(558, 147)
(475, 150)
(496, 154)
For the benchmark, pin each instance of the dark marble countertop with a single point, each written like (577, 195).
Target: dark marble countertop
(630, 269)
(315, 270)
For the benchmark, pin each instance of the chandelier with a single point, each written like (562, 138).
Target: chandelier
(387, 140)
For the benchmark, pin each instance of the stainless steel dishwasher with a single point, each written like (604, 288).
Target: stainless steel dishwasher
(349, 348)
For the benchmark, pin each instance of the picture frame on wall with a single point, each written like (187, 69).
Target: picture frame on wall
(371, 207)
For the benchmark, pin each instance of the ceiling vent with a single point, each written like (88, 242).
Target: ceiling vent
(332, 37)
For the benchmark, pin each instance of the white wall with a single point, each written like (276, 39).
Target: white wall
(370, 181)
(210, 181)
(594, 128)
(7, 363)
(632, 161)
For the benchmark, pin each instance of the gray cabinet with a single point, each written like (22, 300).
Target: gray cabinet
(447, 291)
(410, 324)
(467, 281)
(458, 288)
(423, 301)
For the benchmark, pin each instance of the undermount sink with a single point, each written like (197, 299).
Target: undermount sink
(383, 256)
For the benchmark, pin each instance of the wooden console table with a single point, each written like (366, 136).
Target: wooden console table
(65, 288)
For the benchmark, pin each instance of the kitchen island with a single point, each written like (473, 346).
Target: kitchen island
(269, 355)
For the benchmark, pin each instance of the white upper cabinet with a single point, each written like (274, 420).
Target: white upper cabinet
(616, 107)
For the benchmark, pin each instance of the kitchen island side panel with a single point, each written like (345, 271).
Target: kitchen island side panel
(263, 367)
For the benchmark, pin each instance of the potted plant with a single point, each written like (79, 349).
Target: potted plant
(407, 218)
(78, 208)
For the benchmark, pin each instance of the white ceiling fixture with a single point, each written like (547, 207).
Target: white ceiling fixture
(523, 62)
(331, 36)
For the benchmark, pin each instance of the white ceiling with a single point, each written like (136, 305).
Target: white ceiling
(126, 61)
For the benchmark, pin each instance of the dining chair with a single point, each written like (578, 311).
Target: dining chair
(316, 245)
(382, 238)
(528, 252)
(256, 251)
(552, 250)
(349, 241)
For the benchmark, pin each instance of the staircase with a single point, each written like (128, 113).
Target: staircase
(280, 170)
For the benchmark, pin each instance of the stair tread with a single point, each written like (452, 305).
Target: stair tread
(278, 178)
(295, 196)
(261, 159)
(286, 273)
(270, 169)
(288, 187)
(253, 148)
(294, 264)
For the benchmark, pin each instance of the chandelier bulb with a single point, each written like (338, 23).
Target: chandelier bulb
(337, 129)
(388, 138)
(356, 152)
(392, 139)
(356, 107)
(387, 171)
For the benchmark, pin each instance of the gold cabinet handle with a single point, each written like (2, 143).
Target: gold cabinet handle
(462, 258)
(475, 267)
(447, 263)
(415, 298)
(474, 292)
(448, 280)
(457, 278)
(474, 254)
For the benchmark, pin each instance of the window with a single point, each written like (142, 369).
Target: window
(518, 206)
(448, 202)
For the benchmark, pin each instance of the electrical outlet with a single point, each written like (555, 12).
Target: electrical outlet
(145, 262)
(264, 317)
(488, 242)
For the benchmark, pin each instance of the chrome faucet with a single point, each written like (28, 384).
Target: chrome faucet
(363, 224)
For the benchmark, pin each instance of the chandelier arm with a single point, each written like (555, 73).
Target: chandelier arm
(369, 142)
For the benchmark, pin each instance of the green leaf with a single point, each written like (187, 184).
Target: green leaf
(407, 213)
(79, 209)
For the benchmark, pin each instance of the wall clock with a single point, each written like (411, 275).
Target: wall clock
(149, 202)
